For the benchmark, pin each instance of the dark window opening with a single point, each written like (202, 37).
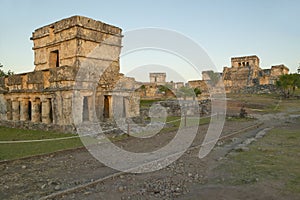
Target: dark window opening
(106, 106)
(124, 108)
(19, 110)
(29, 110)
(239, 64)
(50, 111)
(85, 113)
(40, 111)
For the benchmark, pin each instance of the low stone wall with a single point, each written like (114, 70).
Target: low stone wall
(174, 108)
(38, 126)
(259, 89)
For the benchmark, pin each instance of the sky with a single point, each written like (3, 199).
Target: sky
(269, 29)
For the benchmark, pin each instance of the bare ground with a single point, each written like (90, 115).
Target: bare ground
(187, 178)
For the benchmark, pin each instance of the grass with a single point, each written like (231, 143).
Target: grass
(177, 122)
(146, 103)
(274, 158)
(239, 119)
(265, 103)
(19, 150)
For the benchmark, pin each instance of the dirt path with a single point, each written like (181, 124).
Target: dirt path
(36, 177)
(187, 178)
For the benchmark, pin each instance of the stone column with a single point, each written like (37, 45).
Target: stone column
(36, 114)
(24, 110)
(78, 108)
(46, 111)
(9, 109)
(92, 111)
(15, 110)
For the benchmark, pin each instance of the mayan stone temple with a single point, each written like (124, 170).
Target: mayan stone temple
(43, 99)
(245, 72)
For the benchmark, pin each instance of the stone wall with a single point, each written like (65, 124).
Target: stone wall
(201, 84)
(158, 78)
(245, 72)
(181, 108)
(69, 73)
(69, 41)
(259, 89)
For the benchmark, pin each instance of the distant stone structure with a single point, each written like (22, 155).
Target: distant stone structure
(245, 72)
(43, 98)
(158, 87)
(201, 84)
(178, 85)
(158, 78)
(244, 75)
(210, 80)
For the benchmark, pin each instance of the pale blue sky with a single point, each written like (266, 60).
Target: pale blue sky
(224, 28)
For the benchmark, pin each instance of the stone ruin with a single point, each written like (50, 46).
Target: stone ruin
(43, 99)
(152, 89)
(158, 78)
(245, 74)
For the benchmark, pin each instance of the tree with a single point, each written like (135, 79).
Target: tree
(214, 77)
(143, 88)
(197, 91)
(3, 73)
(162, 89)
(185, 92)
(166, 90)
(288, 83)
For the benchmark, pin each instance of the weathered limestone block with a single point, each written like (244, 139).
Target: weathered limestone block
(15, 110)
(36, 112)
(278, 70)
(35, 77)
(67, 110)
(64, 73)
(24, 115)
(134, 102)
(9, 109)
(46, 107)
(3, 107)
(14, 80)
(77, 113)
(46, 75)
(159, 78)
(201, 84)
(2, 82)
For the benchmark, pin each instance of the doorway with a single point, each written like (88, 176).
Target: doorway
(85, 113)
(107, 103)
(54, 59)
(29, 110)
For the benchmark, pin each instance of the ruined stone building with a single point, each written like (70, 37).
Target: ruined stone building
(245, 72)
(158, 78)
(244, 75)
(156, 88)
(44, 98)
(206, 85)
